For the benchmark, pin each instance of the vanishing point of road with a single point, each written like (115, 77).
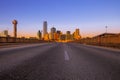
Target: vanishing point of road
(59, 61)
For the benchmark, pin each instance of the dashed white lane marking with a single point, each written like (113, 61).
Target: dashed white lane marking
(66, 56)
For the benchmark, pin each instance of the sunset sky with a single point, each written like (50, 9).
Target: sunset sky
(90, 16)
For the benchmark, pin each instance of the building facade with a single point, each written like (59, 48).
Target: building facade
(77, 35)
(44, 28)
(4, 33)
(53, 31)
(39, 34)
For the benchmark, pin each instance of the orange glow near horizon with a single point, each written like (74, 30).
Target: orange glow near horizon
(83, 34)
(27, 35)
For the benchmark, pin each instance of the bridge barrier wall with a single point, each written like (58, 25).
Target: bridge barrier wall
(18, 40)
(113, 41)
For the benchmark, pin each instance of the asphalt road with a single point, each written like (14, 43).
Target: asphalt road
(59, 61)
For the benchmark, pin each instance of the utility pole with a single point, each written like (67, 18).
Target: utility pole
(106, 36)
(106, 28)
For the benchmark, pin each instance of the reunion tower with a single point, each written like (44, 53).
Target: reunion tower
(14, 22)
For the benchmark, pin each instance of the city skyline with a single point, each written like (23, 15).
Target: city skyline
(90, 16)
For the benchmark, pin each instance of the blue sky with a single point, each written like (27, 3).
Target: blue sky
(90, 16)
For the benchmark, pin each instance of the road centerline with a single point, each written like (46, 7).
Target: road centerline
(66, 56)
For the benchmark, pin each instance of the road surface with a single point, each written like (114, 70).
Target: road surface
(59, 61)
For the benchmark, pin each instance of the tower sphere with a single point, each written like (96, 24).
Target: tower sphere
(14, 22)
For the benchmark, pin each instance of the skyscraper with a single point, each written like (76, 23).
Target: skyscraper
(58, 32)
(39, 34)
(53, 31)
(44, 28)
(67, 32)
(68, 35)
(4, 33)
(77, 34)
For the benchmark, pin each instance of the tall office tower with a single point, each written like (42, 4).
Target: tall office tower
(58, 32)
(39, 34)
(4, 33)
(14, 22)
(77, 34)
(44, 28)
(67, 32)
(68, 35)
(53, 31)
